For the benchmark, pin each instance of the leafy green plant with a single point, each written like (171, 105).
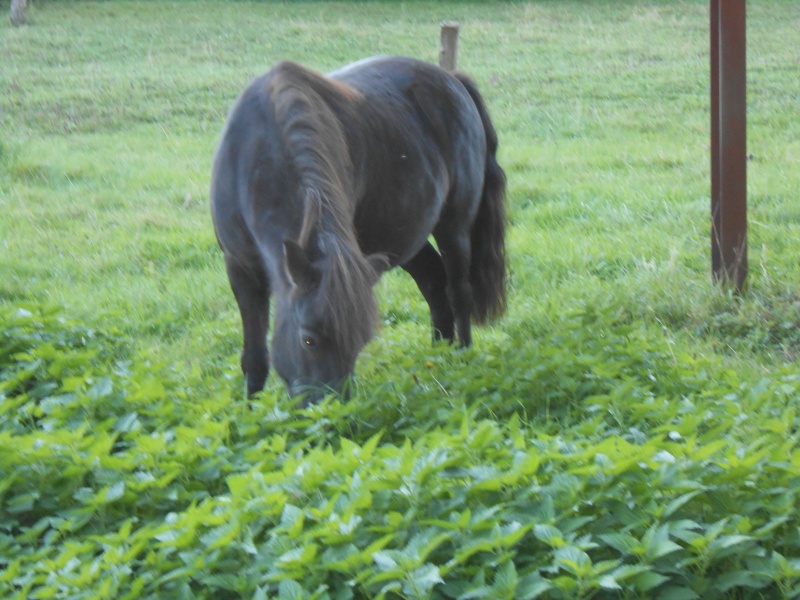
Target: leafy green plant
(127, 486)
(626, 431)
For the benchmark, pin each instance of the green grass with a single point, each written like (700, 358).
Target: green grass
(627, 430)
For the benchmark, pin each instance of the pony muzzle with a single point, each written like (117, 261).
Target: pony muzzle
(308, 393)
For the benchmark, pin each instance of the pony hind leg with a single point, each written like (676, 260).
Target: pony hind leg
(455, 249)
(428, 271)
(251, 290)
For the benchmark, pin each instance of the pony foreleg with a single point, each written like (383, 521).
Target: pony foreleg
(251, 290)
(428, 272)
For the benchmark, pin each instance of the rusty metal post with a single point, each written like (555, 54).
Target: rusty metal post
(728, 142)
(448, 46)
(716, 254)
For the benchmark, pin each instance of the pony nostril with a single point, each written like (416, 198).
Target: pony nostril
(344, 388)
(304, 401)
(305, 394)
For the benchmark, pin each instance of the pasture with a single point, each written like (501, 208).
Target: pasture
(627, 430)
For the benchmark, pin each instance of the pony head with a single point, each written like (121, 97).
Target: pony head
(328, 316)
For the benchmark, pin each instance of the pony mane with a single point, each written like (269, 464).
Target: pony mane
(304, 104)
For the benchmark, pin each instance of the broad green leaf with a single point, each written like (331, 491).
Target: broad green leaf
(289, 589)
(378, 544)
(100, 389)
(677, 593)
(474, 546)
(225, 581)
(747, 579)
(221, 536)
(550, 535)
(532, 586)
(389, 588)
(292, 519)
(657, 543)
(384, 561)
(645, 582)
(513, 533)
(506, 579)
(607, 582)
(770, 526)
(727, 541)
(624, 572)
(298, 557)
(677, 503)
(574, 560)
(22, 502)
(342, 558)
(623, 542)
(422, 580)
(127, 423)
(115, 492)
(260, 594)
(565, 584)
(476, 593)
(659, 549)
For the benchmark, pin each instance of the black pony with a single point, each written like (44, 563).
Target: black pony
(320, 183)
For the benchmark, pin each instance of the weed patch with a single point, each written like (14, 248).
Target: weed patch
(639, 476)
(626, 431)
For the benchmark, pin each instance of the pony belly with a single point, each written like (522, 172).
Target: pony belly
(398, 236)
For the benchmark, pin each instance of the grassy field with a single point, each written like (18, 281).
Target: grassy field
(627, 430)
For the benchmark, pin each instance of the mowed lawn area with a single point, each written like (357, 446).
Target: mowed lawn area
(627, 430)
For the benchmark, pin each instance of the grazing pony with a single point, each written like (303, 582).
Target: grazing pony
(321, 183)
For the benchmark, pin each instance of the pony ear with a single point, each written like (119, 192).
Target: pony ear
(302, 273)
(380, 263)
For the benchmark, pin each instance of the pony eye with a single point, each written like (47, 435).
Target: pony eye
(309, 342)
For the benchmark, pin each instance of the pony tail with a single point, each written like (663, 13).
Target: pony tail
(488, 265)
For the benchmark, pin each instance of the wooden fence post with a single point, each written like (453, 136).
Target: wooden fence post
(18, 12)
(448, 47)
